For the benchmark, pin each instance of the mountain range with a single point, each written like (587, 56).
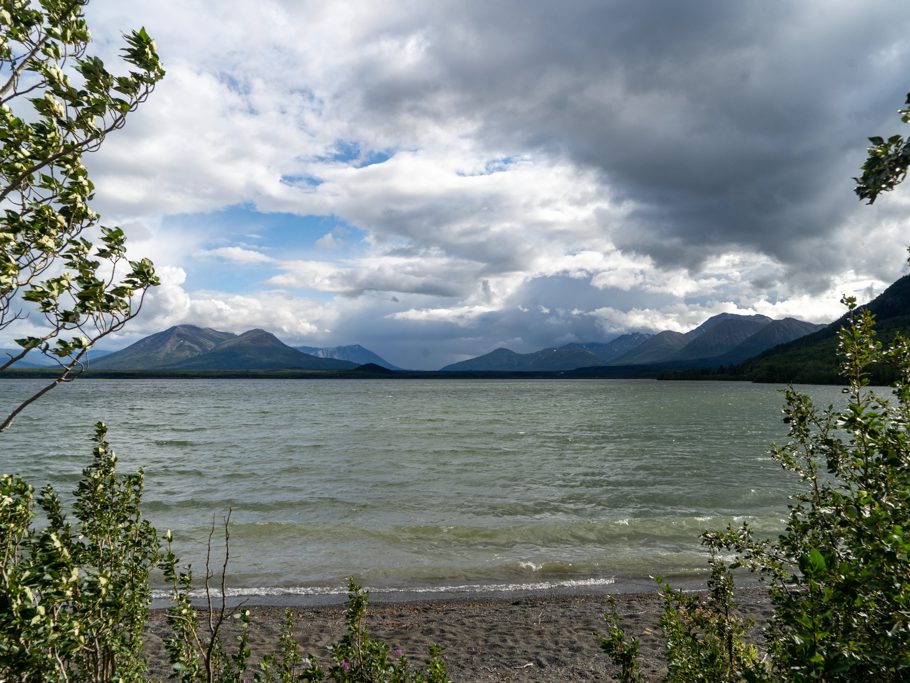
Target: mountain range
(192, 348)
(608, 351)
(545, 360)
(723, 339)
(720, 340)
(813, 358)
(731, 346)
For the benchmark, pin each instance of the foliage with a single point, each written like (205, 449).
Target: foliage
(706, 637)
(287, 664)
(839, 575)
(886, 163)
(622, 650)
(74, 600)
(56, 104)
(197, 653)
(357, 657)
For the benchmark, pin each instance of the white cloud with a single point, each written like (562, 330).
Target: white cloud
(425, 273)
(329, 242)
(235, 255)
(459, 315)
(291, 318)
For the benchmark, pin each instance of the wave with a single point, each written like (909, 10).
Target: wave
(625, 532)
(469, 588)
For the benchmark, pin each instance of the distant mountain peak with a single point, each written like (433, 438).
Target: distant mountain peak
(175, 344)
(354, 353)
(550, 359)
(608, 351)
(726, 318)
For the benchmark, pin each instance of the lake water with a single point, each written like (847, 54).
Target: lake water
(426, 484)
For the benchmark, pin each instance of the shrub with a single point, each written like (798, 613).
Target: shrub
(357, 657)
(705, 637)
(839, 575)
(74, 600)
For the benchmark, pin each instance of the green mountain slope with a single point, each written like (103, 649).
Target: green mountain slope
(723, 339)
(188, 347)
(176, 344)
(257, 350)
(609, 351)
(812, 359)
(657, 349)
(773, 334)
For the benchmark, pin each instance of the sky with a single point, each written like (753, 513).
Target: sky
(434, 180)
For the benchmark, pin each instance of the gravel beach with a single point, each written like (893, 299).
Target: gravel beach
(529, 638)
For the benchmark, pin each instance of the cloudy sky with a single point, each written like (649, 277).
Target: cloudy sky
(437, 179)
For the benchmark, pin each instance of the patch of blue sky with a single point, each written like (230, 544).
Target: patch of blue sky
(233, 83)
(352, 153)
(375, 157)
(213, 274)
(216, 275)
(279, 236)
(241, 88)
(276, 234)
(301, 181)
(499, 165)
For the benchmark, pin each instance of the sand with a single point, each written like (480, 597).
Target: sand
(530, 638)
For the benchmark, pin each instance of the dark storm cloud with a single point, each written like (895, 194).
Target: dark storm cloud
(724, 124)
(560, 292)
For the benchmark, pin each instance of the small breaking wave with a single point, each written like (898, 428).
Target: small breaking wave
(468, 588)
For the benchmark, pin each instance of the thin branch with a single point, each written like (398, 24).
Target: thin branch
(210, 646)
(27, 402)
(224, 566)
(20, 93)
(14, 76)
(19, 68)
(65, 376)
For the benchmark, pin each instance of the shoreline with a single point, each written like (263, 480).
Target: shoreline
(319, 596)
(539, 636)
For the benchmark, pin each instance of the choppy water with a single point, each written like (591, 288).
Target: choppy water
(426, 483)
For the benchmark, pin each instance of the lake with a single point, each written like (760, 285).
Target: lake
(426, 484)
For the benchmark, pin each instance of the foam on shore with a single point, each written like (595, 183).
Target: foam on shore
(314, 596)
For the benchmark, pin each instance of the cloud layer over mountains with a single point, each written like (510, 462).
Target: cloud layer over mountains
(435, 180)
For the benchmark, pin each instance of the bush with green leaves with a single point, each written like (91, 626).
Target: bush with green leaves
(839, 575)
(705, 637)
(358, 657)
(74, 598)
